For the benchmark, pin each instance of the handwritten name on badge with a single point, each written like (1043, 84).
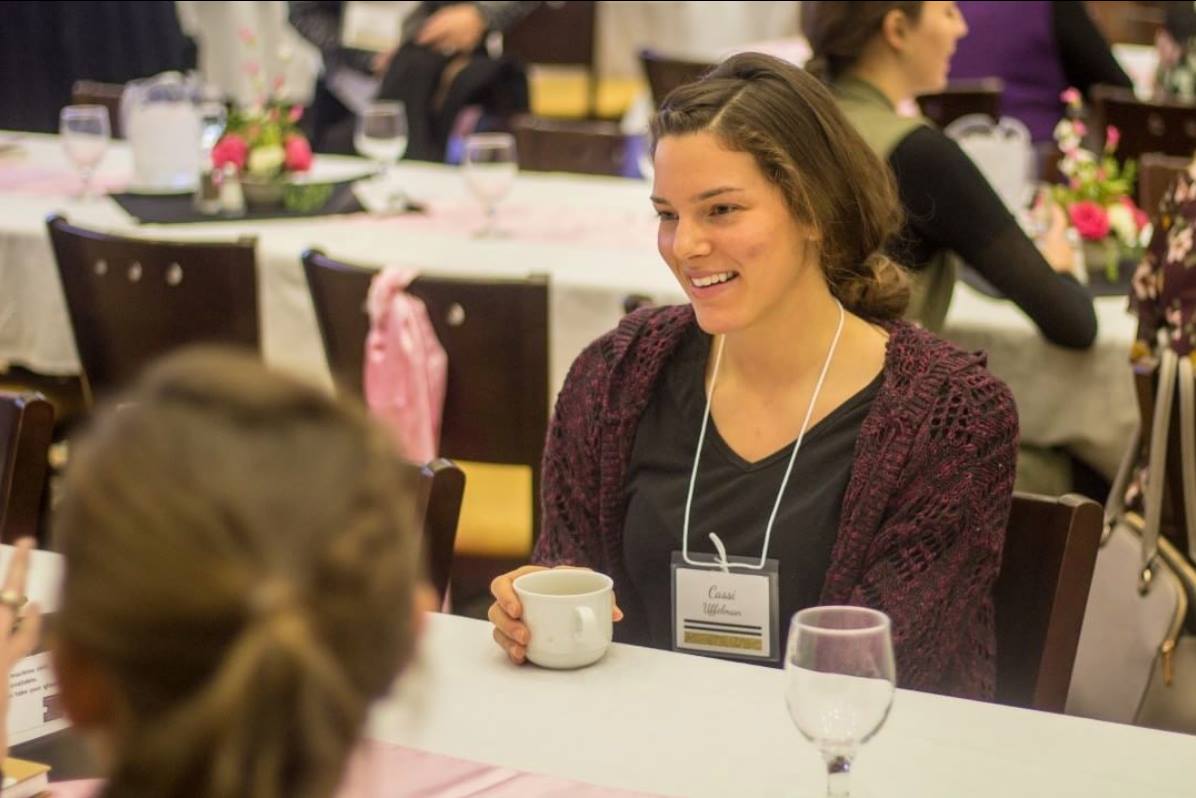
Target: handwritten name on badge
(728, 613)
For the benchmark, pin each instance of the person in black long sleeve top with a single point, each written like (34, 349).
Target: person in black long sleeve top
(877, 55)
(1037, 49)
(963, 214)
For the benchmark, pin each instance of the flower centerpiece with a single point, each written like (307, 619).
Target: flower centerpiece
(1096, 193)
(263, 141)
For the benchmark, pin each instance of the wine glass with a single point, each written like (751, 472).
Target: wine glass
(490, 165)
(85, 131)
(381, 136)
(840, 679)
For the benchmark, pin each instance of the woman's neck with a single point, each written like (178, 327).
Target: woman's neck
(787, 347)
(887, 78)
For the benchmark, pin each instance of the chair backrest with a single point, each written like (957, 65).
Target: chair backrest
(557, 145)
(441, 486)
(1041, 593)
(555, 33)
(131, 300)
(1162, 126)
(26, 425)
(665, 74)
(1156, 172)
(91, 92)
(560, 34)
(962, 98)
(495, 333)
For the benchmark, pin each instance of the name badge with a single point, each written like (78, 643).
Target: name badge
(731, 613)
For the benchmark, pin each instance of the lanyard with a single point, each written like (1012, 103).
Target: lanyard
(693, 478)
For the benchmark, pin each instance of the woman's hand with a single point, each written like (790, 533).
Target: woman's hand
(456, 29)
(510, 633)
(1055, 248)
(20, 625)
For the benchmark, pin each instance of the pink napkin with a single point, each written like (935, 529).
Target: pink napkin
(381, 769)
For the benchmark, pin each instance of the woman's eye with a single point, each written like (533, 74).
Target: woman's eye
(722, 210)
(666, 216)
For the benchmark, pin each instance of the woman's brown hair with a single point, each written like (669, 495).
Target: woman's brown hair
(241, 561)
(838, 32)
(788, 121)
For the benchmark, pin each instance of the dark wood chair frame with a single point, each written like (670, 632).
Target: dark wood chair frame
(1041, 594)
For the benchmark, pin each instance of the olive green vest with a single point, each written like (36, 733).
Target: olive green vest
(877, 121)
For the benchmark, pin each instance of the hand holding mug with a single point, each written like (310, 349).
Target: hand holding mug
(557, 602)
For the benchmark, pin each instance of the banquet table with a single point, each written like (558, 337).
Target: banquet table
(593, 237)
(661, 723)
(682, 725)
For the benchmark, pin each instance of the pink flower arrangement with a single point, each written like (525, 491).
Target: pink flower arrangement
(264, 140)
(1089, 219)
(1095, 192)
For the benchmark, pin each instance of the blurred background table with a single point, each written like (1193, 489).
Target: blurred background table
(595, 239)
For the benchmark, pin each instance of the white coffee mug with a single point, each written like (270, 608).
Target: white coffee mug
(568, 613)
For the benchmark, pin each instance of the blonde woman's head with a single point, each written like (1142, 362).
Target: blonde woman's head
(241, 564)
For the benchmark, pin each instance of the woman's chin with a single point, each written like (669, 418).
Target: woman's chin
(714, 322)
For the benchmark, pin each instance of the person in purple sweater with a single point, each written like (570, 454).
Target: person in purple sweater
(786, 424)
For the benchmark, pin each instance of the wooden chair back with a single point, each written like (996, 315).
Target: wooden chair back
(92, 92)
(26, 426)
(132, 300)
(495, 333)
(962, 98)
(665, 74)
(1156, 173)
(441, 486)
(1162, 126)
(557, 145)
(560, 34)
(1041, 593)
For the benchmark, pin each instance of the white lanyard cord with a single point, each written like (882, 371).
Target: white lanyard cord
(693, 477)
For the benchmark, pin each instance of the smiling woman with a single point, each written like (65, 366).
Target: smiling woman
(784, 428)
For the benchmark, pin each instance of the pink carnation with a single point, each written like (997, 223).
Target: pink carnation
(1080, 128)
(295, 114)
(1141, 219)
(230, 149)
(1090, 220)
(1071, 96)
(298, 154)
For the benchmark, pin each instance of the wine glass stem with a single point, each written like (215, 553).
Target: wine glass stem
(85, 188)
(488, 227)
(838, 775)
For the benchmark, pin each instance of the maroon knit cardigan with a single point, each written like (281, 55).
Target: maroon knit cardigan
(924, 514)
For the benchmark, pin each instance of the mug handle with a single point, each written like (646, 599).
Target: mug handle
(587, 623)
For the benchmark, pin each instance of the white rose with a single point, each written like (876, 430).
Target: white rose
(1121, 221)
(266, 161)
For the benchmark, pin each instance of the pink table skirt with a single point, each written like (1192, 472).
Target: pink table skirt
(381, 769)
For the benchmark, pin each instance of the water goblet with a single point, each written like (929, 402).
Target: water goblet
(840, 678)
(490, 165)
(381, 136)
(85, 131)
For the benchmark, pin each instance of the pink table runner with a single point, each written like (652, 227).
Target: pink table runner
(24, 178)
(381, 769)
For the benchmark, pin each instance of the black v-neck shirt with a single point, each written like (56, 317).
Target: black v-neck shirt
(732, 497)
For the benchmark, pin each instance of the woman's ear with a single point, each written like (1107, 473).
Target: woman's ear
(895, 29)
(84, 687)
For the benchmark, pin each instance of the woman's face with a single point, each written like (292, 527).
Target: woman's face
(727, 233)
(928, 44)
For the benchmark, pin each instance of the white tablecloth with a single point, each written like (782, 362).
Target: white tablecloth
(682, 725)
(594, 237)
